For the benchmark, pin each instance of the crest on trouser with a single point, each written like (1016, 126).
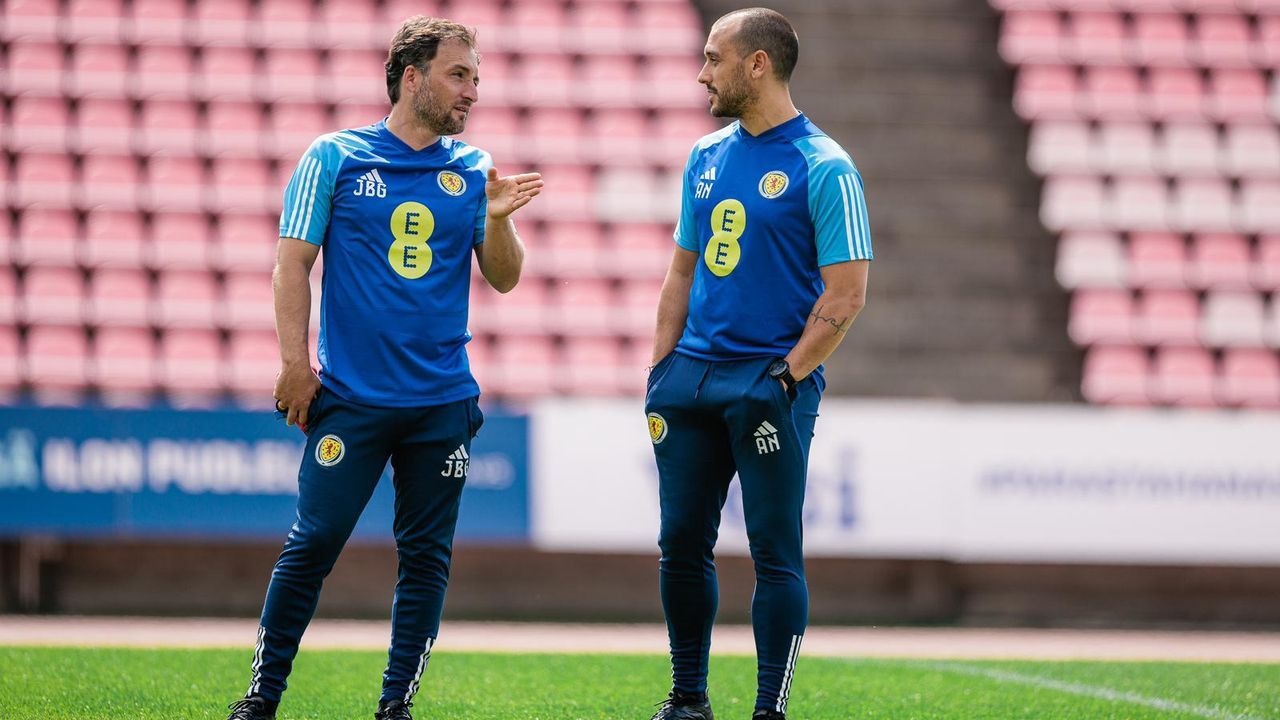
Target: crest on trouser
(657, 428)
(329, 450)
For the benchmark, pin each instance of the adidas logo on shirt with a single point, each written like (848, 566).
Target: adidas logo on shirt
(703, 190)
(709, 175)
(766, 438)
(457, 464)
(370, 185)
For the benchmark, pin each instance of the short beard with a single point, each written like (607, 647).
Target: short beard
(734, 98)
(438, 120)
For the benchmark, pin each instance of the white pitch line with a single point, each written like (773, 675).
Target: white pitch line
(1093, 691)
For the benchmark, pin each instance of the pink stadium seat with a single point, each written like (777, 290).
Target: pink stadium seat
(244, 185)
(637, 250)
(191, 364)
(53, 296)
(1232, 319)
(124, 364)
(1188, 149)
(1238, 94)
(225, 22)
(610, 80)
(186, 299)
(46, 236)
(639, 307)
(537, 25)
(113, 239)
(174, 184)
(1220, 261)
(1045, 92)
(1267, 49)
(351, 23)
(253, 361)
(1161, 40)
(1252, 150)
(248, 302)
(480, 357)
(164, 72)
(1034, 36)
(1072, 203)
(671, 82)
(158, 22)
(1167, 318)
(283, 23)
(1250, 378)
(233, 128)
(1259, 209)
(1145, 6)
(352, 115)
(292, 126)
(1202, 204)
(583, 306)
(1126, 148)
(1157, 260)
(35, 67)
(246, 242)
(57, 363)
(10, 362)
(119, 297)
(633, 368)
(1175, 94)
(1266, 270)
(573, 248)
(1139, 203)
(6, 230)
(1116, 376)
(1271, 325)
(619, 136)
(669, 27)
(593, 364)
(1096, 316)
(599, 27)
(678, 129)
(1091, 260)
(292, 74)
(1222, 40)
(40, 124)
(357, 75)
(179, 241)
(228, 73)
(544, 79)
(1099, 38)
(10, 299)
(168, 126)
(1060, 147)
(32, 19)
(44, 178)
(525, 365)
(575, 195)
(521, 312)
(105, 126)
(487, 16)
(555, 135)
(1183, 376)
(99, 70)
(110, 181)
(498, 131)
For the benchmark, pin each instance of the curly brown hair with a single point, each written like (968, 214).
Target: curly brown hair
(416, 42)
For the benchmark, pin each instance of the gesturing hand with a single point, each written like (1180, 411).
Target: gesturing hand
(508, 194)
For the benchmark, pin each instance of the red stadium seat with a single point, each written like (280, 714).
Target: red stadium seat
(1220, 261)
(351, 23)
(44, 178)
(174, 184)
(53, 296)
(233, 128)
(1091, 260)
(111, 182)
(1099, 38)
(1034, 36)
(1250, 378)
(592, 366)
(1183, 376)
(180, 241)
(119, 298)
(246, 242)
(1167, 318)
(1188, 149)
(1161, 39)
(168, 126)
(1222, 40)
(11, 371)
(253, 361)
(165, 72)
(1116, 376)
(1238, 94)
(1046, 92)
(244, 185)
(583, 306)
(292, 74)
(1252, 150)
(159, 22)
(1099, 316)
(57, 363)
(225, 22)
(1072, 203)
(1266, 270)
(35, 67)
(1126, 148)
(1175, 94)
(1112, 93)
(124, 364)
(357, 75)
(228, 73)
(1202, 204)
(46, 236)
(99, 70)
(186, 299)
(105, 126)
(248, 302)
(39, 124)
(10, 300)
(283, 23)
(1157, 260)
(1232, 319)
(1139, 203)
(191, 363)
(32, 19)
(113, 239)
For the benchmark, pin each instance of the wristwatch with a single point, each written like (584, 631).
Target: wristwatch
(780, 370)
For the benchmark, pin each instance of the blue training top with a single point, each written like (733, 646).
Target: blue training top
(765, 212)
(398, 227)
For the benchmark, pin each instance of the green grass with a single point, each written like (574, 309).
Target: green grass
(84, 683)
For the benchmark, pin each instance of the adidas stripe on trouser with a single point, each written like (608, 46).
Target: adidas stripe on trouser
(422, 445)
(721, 418)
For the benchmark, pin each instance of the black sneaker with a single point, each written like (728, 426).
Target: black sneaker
(679, 706)
(253, 707)
(393, 710)
(767, 714)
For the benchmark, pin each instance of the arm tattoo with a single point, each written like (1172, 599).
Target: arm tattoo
(840, 324)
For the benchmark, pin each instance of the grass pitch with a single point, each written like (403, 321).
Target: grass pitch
(99, 683)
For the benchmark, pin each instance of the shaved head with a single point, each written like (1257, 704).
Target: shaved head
(753, 29)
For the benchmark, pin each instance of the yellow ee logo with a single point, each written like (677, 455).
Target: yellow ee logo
(411, 225)
(329, 450)
(773, 184)
(728, 222)
(657, 428)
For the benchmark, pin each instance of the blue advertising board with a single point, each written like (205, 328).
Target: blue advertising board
(213, 474)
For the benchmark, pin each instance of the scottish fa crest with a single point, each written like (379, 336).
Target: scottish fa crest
(773, 184)
(451, 183)
(329, 450)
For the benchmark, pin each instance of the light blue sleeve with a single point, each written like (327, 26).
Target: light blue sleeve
(481, 212)
(685, 236)
(308, 198)
(837, 202)
(480, 161)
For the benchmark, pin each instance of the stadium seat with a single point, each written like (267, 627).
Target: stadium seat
(124, 365)
(113, 239)
(610, 80)
(11, 370)
(573, 197)
(582, 306)
(253, 360)
(1271, 324)
(1220, 261)
(1222, 40)
(554, 135)
(357, 75)
(573, 249)
(353, 115)
(99, 70)
(1091, 260)
(670, 81)
(46, 236)
(521, 312)
(639, 307)
(228, 73)
(165, 72)
(350, 24)
(105, 125)
(526, 366)
(1112, 93)
(1139, 203)
(168, 127)
(110, 182)
(1259, 209)
(1116, 376)
(248, 302)
(629, 195)
(678, 130)
(190, 365)
(1183, 376)
(1175, 94)
(1075, 203)
(1202, 204)
(283, 23)
(1161, 40)
(1034, 36)
(599, 27)
(1188, 149)
(44, 179)
(487, 16)
(498, 131)
(1267, 49)
(637, 250)
(35, 67)
(31, 20)
(633, 367)
(186, 299)
(544, 79)
(174, 184)
(245, 185)
(1046, 92)
(119, 298)
(57, 364)
(1167, 318)
(39, 124)
(668, 27)
(1098, 38)
(480, 358)
(619, 136)
(158, 22)
(10, 299)
(225, 22)
(292, 74)
(1252, 150)
(246, 242)
(1249, 378)
(1238, 94)
(1126, 148)
(233, 128)
(537, 25)
(496, 84)
(179, 241)
(1097, 316)
(592, 364)
(1232, 319)
(1060, 148)
(1266, 270)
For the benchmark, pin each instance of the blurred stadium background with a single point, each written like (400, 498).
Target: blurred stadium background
(1062, 405)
